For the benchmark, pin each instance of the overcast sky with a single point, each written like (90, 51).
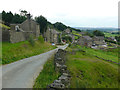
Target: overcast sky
(75, 13)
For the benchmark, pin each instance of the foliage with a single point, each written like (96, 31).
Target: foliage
(67, 38)
(42, 22)
(22, 50)
(59, 39)
(41, 39)
(88, 71)
(60, 26)
(47, 75)
(111, 41)
(89, 34)
(74, 29)
(98, 33)
(23, 12)
(31, 40)
(117, 38)
(9, 17)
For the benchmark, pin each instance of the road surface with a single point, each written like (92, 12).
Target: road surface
(22, 74)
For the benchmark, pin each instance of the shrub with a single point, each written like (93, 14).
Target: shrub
(31, 40)
(41, 39)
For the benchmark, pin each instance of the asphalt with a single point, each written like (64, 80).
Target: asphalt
(22, 74)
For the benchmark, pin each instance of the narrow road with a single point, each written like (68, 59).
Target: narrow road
(21, 74)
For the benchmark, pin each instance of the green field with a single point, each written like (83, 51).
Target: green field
(105, 54)
(47, 76)
(110, 34)
(88, 71)
(13, 52)
(76, 33)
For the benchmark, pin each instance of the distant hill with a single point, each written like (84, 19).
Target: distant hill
(98, 28)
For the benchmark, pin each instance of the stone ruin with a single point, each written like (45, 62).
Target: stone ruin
(64, 80)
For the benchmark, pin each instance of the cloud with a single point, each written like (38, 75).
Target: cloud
(71, 12)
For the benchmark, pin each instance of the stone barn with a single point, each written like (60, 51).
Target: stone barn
(21, 32)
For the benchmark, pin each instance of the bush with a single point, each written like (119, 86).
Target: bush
(31, 40)
(41, 39)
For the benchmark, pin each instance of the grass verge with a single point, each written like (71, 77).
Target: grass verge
(47, 76)
(13, 52)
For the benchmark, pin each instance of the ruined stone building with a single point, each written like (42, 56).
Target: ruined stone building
(21, 32)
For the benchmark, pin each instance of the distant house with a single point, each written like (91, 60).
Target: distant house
(52, 36)
(21, 32)
(66, 31)
(82, 33)
(99, 41)
(111, 39)
(85, 41)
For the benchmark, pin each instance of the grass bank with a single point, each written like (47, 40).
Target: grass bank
(13, 52)
(88, 71)
(47, 76)
(105, 54)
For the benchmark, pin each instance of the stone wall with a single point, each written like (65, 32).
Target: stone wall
(64, 80)
(6, 35)
(16, 37)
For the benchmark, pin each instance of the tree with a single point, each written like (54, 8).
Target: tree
(98, 33)
(60, 26)
(10, 18)
(42, 22)
(23, 12)
(3, 15)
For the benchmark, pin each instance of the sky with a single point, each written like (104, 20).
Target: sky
(74, 13)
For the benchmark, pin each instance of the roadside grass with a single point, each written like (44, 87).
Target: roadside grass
(15, 51)
(105, 54)
(88, 71)
(47, 75)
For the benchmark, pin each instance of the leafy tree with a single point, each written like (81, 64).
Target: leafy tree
(4, 16)
(42, 22)
(16, 19)
(23, 12)
(98, 33)
(117, 38)
(67, 38)
(60, 26)
(10, 18)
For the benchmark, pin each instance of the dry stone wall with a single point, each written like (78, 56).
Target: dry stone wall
(64, 80)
